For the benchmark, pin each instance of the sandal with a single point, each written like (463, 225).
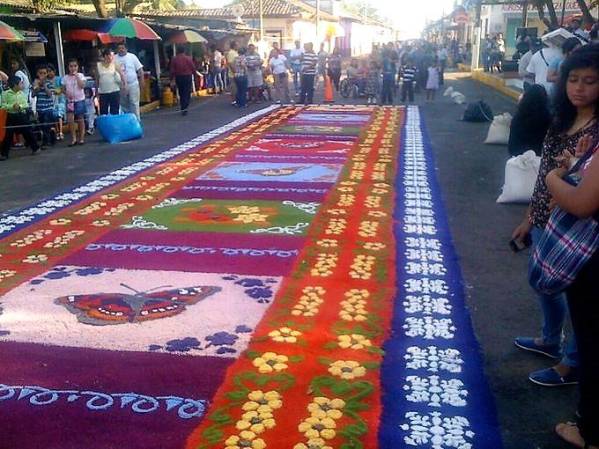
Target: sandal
(569, 433)
(80, 143)
(72, 144)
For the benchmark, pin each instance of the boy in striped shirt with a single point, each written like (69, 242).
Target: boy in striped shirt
(309, 61)
(44, 105)
(408, 76)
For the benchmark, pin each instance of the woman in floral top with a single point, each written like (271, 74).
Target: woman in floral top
(582, 201)
(576, 114)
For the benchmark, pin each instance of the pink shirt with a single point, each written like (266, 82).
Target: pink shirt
(73, 91)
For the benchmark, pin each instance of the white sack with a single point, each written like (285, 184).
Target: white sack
(499, 131)
(458, 97)
(448, 91)
(520, 178)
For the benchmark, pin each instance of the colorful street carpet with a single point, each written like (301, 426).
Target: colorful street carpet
(287, 281)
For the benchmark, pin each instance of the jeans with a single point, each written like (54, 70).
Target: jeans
(242, 90)
(110, 103)
(387, 92)
(217, 80)
(407, 91)
(130, 99)
(282, 87)
(335, 76)
(555, 310)
(584, 310)
(307, 89)
(46, 121)
(296, 80)
(184, 88)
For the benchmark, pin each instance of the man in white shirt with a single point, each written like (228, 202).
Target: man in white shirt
(279, 67)
(134, 73)
(539, 66)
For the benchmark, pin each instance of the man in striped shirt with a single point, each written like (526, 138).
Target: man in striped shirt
(408, 76)
(309, 61)
(44, 105)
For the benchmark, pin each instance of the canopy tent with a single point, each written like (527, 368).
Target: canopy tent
(130, 28)
(85, 35)
(187, 37)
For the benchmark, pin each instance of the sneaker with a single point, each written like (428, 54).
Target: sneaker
(528, 344)
(549, 377)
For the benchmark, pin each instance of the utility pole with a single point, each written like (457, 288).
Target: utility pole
(261, 5)
(317, 21)
(477, 36)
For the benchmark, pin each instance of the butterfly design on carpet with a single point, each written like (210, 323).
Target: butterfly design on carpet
(100, 309)
(283, 171)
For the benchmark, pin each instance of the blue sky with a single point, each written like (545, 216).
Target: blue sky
(408, 16)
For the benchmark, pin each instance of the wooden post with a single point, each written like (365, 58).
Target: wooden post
(477, 37)
(317, 21)
(59, 49)
(156, 60)
(525, 13)
(261, 21)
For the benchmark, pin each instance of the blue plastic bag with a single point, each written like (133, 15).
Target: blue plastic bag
(119, 128)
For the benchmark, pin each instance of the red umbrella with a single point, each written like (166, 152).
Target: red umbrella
(83, 35)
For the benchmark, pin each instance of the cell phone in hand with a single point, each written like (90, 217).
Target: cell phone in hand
(517, 245)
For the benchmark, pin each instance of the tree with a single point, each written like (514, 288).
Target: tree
(101, 9)
(586, 12)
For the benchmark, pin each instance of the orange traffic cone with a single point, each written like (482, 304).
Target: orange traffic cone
(328, 90)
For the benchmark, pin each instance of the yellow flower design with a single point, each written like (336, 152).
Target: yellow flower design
(101, 223)
(377, 214)
(256, 422)
(36, 258)
(269, 362)
(244, 210)
(337, 211)
(251, 218)
(374, 246)
(245, 440)
(263, 402)
(313, 443)
(60, 222)
(109, 196)
(284, 335)
(353, 341)
(347, 369)
(314, 427)
(322, 407)
(327, 243)
(6, 274)
(144, 197)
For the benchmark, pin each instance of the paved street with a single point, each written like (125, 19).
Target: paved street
(470, 175)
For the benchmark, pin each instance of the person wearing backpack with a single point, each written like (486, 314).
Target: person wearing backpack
(539, 66)
(576, 115)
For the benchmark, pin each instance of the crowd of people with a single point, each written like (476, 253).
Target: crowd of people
(39, 106)
(558, 118)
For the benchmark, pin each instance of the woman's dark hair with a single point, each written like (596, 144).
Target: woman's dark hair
(41, 67)
(51, 67)
(107, 51)
(586, 57)
(13, 81)
(534, 106)
(72, 60)
(570, 44)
